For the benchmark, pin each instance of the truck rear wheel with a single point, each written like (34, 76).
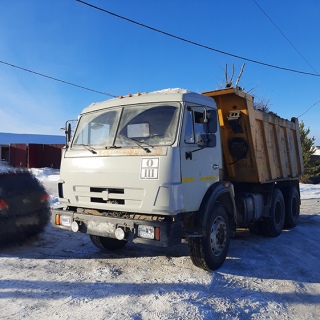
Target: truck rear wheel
(210, 251)
(292, 201)
(107, 244)
(272, 226)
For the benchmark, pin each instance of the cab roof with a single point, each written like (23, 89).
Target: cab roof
(179, 95)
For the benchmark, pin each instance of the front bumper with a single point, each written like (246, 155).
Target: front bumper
(169, 232)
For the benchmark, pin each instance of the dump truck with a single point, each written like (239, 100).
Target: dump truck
(175, 166)
(24, 205)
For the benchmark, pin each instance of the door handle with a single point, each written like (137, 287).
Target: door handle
(215, 167)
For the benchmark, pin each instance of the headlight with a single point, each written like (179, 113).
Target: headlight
(146, 232)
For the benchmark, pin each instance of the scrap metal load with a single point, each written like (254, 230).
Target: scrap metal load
(24, 207)
(258, 146)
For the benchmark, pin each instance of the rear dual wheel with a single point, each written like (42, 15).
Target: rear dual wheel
(292, 201)
(273, 225)
(284, 213)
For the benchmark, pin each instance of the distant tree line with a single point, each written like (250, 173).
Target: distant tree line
(311, 162)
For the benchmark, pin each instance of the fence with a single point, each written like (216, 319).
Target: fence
(34, 155)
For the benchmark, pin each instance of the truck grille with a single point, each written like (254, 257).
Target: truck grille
(109, 196)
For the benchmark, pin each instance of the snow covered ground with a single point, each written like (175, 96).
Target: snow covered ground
(61, 275)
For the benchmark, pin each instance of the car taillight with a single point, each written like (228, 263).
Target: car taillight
(45, 197)
(3, 205)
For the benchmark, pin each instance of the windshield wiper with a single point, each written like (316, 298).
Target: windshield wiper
(89, 148)
(138, 143)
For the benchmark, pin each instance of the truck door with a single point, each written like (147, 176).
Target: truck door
(199, 164)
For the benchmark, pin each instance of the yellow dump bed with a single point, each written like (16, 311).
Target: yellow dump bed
(257, 146)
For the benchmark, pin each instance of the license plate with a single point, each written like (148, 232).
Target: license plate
(65, 221)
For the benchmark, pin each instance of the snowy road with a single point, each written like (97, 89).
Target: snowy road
(61, 275)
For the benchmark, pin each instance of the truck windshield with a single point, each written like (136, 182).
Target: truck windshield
(152, 125)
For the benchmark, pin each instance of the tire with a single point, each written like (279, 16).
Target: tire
(107, 244)
(210, 251)
(273, 225)
(292, 201)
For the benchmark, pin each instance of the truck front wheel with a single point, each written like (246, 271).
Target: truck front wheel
(210, 251)
(107, 244)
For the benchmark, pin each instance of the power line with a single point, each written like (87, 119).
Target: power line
(293, 46)
(196, 43)
(308, 109)
(92, 90)
(56, 79)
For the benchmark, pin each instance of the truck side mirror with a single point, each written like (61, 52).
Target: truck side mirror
(68, 133)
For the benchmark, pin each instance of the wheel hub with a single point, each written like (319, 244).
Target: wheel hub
(218, 236)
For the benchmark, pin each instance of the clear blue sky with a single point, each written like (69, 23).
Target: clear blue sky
(70, 41)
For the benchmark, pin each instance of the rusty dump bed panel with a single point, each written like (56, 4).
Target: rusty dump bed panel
(257, 146)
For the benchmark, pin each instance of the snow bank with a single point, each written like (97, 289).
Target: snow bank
(309, 191)
(46, 174)
(5, 168)
(49, 178)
